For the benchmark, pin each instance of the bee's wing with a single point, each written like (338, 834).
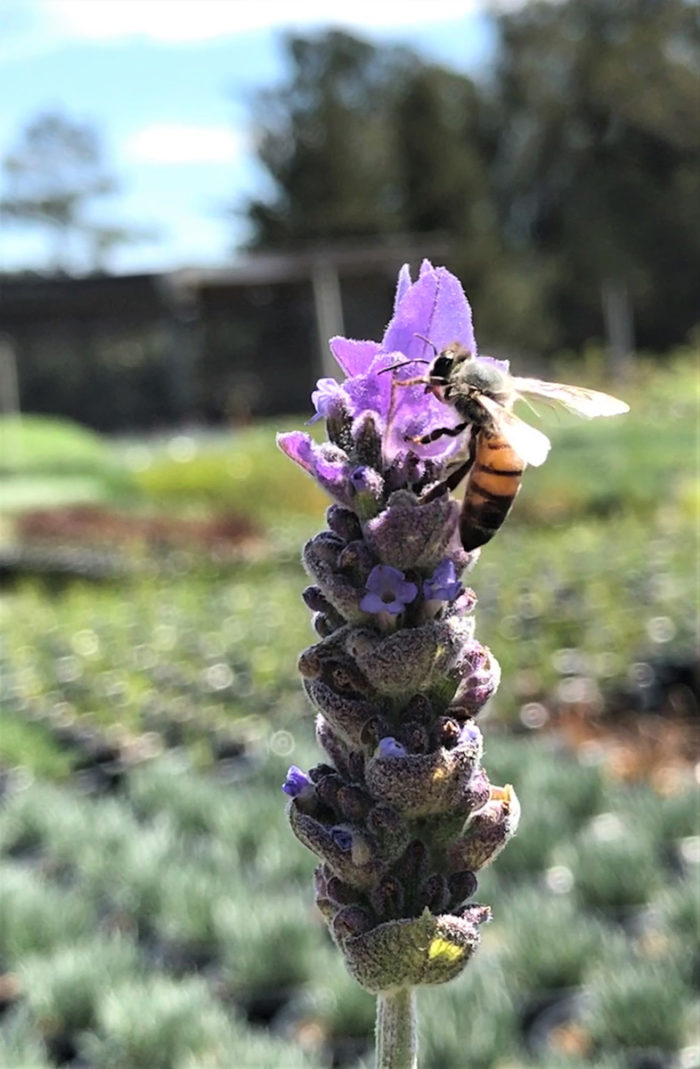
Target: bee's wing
(577, 399)
(529, 443)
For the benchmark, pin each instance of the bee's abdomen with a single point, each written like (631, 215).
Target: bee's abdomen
(493, 483)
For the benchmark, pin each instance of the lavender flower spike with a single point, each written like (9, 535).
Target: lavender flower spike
(400, 813)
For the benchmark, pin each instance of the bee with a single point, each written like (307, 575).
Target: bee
(500, 443)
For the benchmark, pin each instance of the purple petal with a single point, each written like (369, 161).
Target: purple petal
(384, 577)
(366, 480)
(371, 391)
(389, 747)
(443, 585)
(404, 283)
(353, 356)
(341, 838)
(326, 463)
(406, 592)
(327, 396)
(470, 732)
(436, 307)
(415, 414)
(296, 782)
(388, 590)
(373, 603)
(298, 447)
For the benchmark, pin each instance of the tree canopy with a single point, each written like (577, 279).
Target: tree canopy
(54, 177)
(574, 162)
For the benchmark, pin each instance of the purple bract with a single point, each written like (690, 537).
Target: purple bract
(434, 306)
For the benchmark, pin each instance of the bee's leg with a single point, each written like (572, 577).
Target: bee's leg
(420, 381)
(453, 479)
(440, 432)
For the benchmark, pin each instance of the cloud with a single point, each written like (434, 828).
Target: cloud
(174, 143)
(193, 20)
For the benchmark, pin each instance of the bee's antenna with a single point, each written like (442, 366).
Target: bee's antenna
(427, 341)
(402, 363)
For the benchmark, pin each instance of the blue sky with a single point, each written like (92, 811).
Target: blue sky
(167, 84)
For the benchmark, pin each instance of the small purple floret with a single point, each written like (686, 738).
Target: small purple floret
(469, 733)
(443, 584)
(390, 747)
(296, 782)
(327, 396)
(388, 590)
(341, 838)
(360, 478)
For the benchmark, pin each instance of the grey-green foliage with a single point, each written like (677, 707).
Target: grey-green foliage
(130, 876)
(251, 1049)
(472, 1021)
(547, 942)
(554, 1061)
(37, 916)
(268, 945)
(189, 899)
(194, 802)
(636, 1001)
(667, 819)
(277, 862)
(542, 825)
(63, 987)
(20, 1045)
(677, 917)
(157, 1022)
(244, 819)
(573, 788)
(39, 815)
(334, 999)
(680, 908)
(556, 792)
(613, 863)
(542, 769)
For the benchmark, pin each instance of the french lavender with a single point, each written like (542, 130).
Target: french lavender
(401, 813)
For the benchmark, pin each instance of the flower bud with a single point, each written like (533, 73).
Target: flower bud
(343, 522)
(488, 831)
(410, 535)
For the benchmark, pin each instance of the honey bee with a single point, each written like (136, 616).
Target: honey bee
(500, 444)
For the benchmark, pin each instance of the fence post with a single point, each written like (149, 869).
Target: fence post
(328, 307)
(9, 402)
(619, 326)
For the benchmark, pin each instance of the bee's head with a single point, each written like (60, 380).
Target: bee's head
(441, 366)
(441, 370)
(445, 363)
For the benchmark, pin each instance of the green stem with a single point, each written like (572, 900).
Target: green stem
(397, 1030)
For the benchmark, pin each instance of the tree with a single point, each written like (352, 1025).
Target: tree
(443, 151)
(361, 141)
(599, 162)
(573, 171)
(324, 139)
(53, 178)
(366, 141)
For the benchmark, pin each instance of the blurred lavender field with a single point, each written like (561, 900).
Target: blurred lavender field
(151, 707)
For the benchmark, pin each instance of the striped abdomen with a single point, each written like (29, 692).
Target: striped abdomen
(494, 481)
